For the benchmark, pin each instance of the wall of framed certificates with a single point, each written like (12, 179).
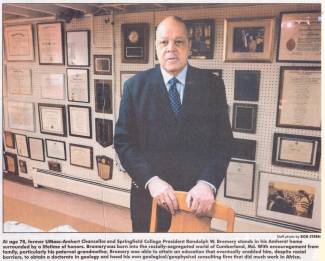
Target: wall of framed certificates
(61, 104)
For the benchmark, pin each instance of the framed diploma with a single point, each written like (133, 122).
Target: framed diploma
(21, 116)
(50, 43)
(296, 151)
(54, 166)
(80, 121)
(19, 81)
(103, 64)
(300, 37)
(11, 164)
(247, 85)
(52, 118)
(9, 139)
(244, 149)
(124, 76)
(104, 132)
(289, 199)
(22, 166)
(103, 96)
(81, 156)
(299, 102)
(104, 167)
(21, 144)
(78, 85)
(55, 149)
(78, 48)
(135, 43)
(52, 86)
(36, 149)
(239, 181)
(19, 43)
(244, 117)
(248, 39)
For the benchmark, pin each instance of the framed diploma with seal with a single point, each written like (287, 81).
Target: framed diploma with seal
(21, 144)
(11, 164)
(54, 166)
(22, 166)
(50, 43)
(19, 45)
(103, 96)
(78, 85)
(19, 81)
(135, 43)
(244, 117)
(125, 75)
(299, 102)
(103, 64)
(104, 132)
(9, 139)
(52, 86)
(296, 151)
(78, 48)
(81, 156)
(300, 37)
(55, 149)
(36, 149)
(52, 119)
(80, 121)
(104, 167)
(21, 116)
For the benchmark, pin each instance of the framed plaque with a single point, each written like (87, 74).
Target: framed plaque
(244, 117)
(103, 96)
(104, 132)
(201, 36)
(50, 43)
(11, 164)
(103, 64)
(78, 48)
(248, 39)
(247, 85)
(300, 37)
(54, 166)
(80, 121)
(21, 116)
(19, 81)
(22, 166)
(52, 86)
(52, 119)
(21, 144)
(36, 149)
(289, 199)
(244, 149)
(239, 181)
(81, 156)
(9, 139)
(78, 85)
(104, 167)
(124, 76)
(299, 102)
(55, 149)
(135, 43)
(296, 151)
(19, 43)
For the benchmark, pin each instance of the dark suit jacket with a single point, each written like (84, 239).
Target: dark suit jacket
(150, 140)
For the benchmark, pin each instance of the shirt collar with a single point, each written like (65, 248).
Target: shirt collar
(181, 77)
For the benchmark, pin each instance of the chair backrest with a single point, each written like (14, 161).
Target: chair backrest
(186, 221)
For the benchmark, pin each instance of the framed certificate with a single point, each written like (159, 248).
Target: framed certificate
(244, 117)
(78, 48)
(103, 64)
(104, 132)
(55, 149)
(289, 199)
(52, 119)
(103, 96)
(296, 151)
(50, 43)
(300, 37)
(19, 81)
(104, 167)
(125, 75)
(9, 139)
(36, 149)
(81, 156)
(244, 149)
(21, 116)
(11, 164)
(299, 102)
(78, 85)
(239, 181)
(248, 39)
(19, 45)
(22, 166)
(52, 86)
(80, 121)
(54, 166)
(247, 85)
(21, 144)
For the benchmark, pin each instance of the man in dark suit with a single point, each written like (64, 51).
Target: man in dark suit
(173, 132)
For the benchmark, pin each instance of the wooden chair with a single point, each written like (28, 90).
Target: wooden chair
(186, 221)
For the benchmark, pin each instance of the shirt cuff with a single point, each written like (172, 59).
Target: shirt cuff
(146, 185)
(208, 183)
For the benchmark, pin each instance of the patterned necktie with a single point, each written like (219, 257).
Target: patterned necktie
(174, 98)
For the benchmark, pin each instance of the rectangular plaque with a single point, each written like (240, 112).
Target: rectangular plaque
(80, 121)
(9, 139)
(78, 48)
(103, 64)
(244, 117)
(243, 149)
(104, 167)
(19, 81)
(36, 148)
(81, 156)
(103, 96)
(78, 85)
(11, 164)
(247, 84)
(52, 86)
(21, 144)
(104, 132)
(55, 149)
(21, 116)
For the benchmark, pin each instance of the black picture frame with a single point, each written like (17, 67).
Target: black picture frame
(11, 163)
(82, 163)
(243, 149)
(84, 117)
(102, 64)
(22, 166)
(244, 117)
(104, 167)
(103, 96)
(52, 156)
(32, 153)
(54, 166)
(104, 132)
(75, 94)
(9, 139)
(73, 40)
(247, 84)
(22, 153)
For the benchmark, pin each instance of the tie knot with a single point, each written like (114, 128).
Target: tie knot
(173, 81)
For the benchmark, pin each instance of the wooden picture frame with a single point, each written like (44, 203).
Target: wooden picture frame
(21, 145)
(11, 164)
(55, 149)
(78, 48)
(244, 117)
(81, 156)
(36, 148)
(9, 139)
(78, 85)
(102, 64)
(80, 121)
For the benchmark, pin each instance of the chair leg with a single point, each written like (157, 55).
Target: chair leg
(153, 220)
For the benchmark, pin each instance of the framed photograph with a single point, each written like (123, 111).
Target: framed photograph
(216, 72)
(78, 85)
(104, 167)
(81, 156)
(124, 76)
(103, 64)
(78, 48)
(299, 102)
(9, 139)
(19, 81)
(239, 181)
(11, 164)
(296, 151)
(135, 43)
(104, 132)
(52, 118)
(103, 96)
(80, 121)
(21, 144)
(21, 116)
(244, 117)
(289, 199)
(36, 149)
(52, 86)
(19, 44)
(55, 149)
(54, 166)
(22, 166)
(201, 36)
(300, 37)
(50, 43)
(244, 149)
(247, 85)
(248, 39)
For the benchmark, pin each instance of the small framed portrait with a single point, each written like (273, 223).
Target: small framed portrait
(11, 165)
(78, 48)
(103, 64)
(244, 117)
(247, 85)
(22, 146)
(55, 149)
(81, 156)
(9, 139)
(36, 148)
(22, 166)
(249, 39)
(125, 75)
(54, 166)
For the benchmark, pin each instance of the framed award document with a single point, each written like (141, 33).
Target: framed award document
(9, 139)
(50, 43)
(81, 156)
(78, 85)
(78, 48)
(125, 75)
(55, 149)
(104, 167)
(247, 85)
(11, 164)
(299, 102)
(36, 149)
(21, 144)
(19, 45)
(300, 37)
(244, 117)
(52, 86)
(22, 166)
(80, 121)
(248, 39)
(103, 96)
(19, 81)
(52, 119)
(21, 116)
(104, 132)
(103, 64)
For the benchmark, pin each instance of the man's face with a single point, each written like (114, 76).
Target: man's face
(172, 46)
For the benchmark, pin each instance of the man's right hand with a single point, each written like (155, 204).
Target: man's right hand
(164, 193)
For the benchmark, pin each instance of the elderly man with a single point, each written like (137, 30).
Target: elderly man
(173, 132)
